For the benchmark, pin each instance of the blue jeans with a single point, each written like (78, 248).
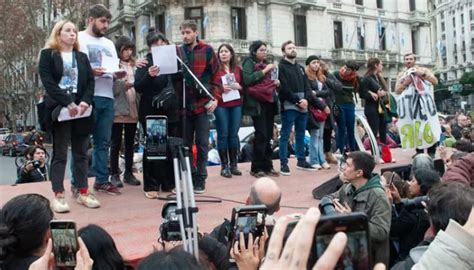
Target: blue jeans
(104, 119)
(299, 119)
(345, 127)
(316, 145)
(227, 126)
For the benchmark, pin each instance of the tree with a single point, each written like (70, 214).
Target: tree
(467, 81)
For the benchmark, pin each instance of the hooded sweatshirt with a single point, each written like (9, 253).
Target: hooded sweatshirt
(371, 200)
(294, 85)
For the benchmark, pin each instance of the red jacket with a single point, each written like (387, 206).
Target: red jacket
(461, 171)
(218, 88)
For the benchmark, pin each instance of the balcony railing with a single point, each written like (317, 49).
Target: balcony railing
(362, 55)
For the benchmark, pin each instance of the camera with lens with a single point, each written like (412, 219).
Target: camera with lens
(415, 203)
(36, 164)
(169, 228)
(326, 206)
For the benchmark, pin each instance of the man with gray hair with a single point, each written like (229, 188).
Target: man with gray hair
(263, 191)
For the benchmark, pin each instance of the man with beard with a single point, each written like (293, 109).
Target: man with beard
(97, 47)
(202, 61)
(294, 87)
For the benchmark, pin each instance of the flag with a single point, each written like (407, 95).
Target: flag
(268, 25)
(143, 29)
(347, 34)
(205, 23)
(168, 23)
(402, 40)
(236, 24)
(379, 26)
(360, 24)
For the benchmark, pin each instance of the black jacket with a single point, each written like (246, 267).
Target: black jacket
(315, 100)
(369, 83)
(51, 72)
(294, 84)
(149, 87)
(35, 175)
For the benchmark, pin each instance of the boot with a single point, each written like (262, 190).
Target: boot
(225, 172)
(330, 158)
(233, 162)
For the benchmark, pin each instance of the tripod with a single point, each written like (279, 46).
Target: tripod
(186, 204)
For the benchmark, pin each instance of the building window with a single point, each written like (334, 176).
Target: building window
(196, 14)
(300, 30)
(160, 23)
(382, 45)
(443, 37)
(462, 19)
(120, 4)
(464, 57)
(359, 2)
(239, 23)
(454, 22)
(414, 41)
(412, 5)
(443, 27)
(379, 3)
(360, 39)
(442, 14)
(337, 34)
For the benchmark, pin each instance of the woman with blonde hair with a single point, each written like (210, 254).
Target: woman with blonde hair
(67, 77)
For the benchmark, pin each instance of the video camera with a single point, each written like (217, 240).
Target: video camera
(326, 206)
(169, 228)
(415, 203)
(36, 164)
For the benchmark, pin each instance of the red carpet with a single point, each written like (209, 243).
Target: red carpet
(134, 221)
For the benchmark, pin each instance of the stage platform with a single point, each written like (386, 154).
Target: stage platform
(134, 220)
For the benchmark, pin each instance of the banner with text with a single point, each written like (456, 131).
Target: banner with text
(418, 122)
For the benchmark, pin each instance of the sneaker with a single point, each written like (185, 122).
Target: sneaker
(326, 166)
(200, 188)
(151, 194)
(272, 173)
(115, 180)
(130, 179)
(285, 170)
(107, 188)
(88, 200)
(59, 204)
(316, 166)
(258, 174)
(304, 165)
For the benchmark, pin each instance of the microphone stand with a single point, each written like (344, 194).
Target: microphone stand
(185, 69)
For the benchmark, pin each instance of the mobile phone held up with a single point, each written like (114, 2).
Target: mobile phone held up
(64, 235)
(249, 220)
(357, 252)
(156, 137)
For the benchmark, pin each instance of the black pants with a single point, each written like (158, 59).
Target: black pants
(327, 137)
(62, 136)
(262, 151)
(197, 132)
(117, 131)
(376, 122)
(158, 174)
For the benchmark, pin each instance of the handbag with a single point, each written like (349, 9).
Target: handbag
(166, 99)
(263, 90)
(318, 115)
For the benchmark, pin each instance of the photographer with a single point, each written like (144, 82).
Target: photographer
(34, 169)
(409, 220)
(363, 192)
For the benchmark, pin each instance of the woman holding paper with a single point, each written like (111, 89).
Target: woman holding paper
(67, 77)
(227, 91)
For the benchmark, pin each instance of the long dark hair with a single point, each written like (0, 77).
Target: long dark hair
(255, 46)
(371, 66)
(233, 61)
(24, 222)
(153, 36)
(101, 248)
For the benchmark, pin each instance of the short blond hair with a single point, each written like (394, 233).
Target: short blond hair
(53, 40)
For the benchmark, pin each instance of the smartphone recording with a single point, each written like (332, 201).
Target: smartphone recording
(156, 137)
(64, 236)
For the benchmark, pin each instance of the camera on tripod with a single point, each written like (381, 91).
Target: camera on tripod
(169, 228)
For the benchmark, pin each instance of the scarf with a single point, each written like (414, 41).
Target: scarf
(352, 77)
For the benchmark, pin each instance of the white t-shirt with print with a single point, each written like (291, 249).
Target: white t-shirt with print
(69, 79)
(94, 47)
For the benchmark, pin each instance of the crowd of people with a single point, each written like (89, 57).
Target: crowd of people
(425, 221)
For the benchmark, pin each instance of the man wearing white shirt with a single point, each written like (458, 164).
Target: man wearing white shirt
(94, 43)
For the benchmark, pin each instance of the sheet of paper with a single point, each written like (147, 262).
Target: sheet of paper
(165, 58)
(231, 95)
(110, 64)
(64, 114)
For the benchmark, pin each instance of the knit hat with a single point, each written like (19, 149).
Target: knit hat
(311, 58)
